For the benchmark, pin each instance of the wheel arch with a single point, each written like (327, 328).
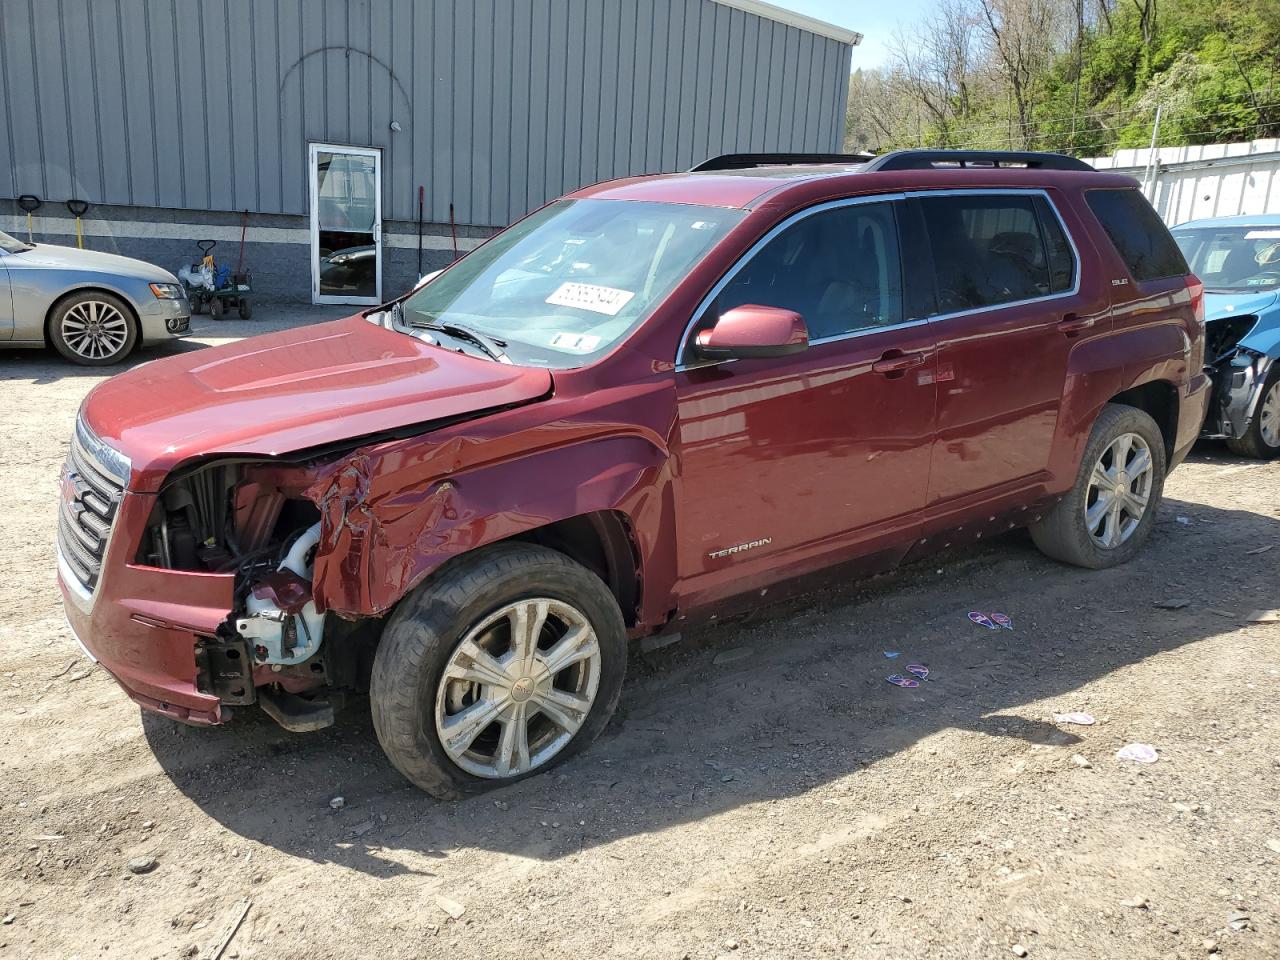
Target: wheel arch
(89, 287)
(1159, 400)
(604, 542)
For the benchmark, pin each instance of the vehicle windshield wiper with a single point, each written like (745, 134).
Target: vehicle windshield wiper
(491, 346)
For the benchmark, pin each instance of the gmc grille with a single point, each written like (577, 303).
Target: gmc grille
(91, 494)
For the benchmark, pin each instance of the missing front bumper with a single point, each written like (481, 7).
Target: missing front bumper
(1237, 387)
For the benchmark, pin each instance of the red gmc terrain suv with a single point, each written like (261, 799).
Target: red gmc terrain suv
(638, 405)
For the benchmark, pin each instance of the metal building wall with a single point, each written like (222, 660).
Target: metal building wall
(503, 104)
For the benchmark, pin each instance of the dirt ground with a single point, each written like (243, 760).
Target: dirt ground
(763, 791)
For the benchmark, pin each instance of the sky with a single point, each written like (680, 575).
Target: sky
(876, 20)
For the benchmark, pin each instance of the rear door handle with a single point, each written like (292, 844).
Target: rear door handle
(1072, 324)
(895, 363)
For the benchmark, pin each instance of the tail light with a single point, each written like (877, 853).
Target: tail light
(1196, 289)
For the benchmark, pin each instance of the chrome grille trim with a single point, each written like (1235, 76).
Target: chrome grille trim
(93, 482)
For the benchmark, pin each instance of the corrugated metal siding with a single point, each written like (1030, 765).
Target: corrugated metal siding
(503, 104)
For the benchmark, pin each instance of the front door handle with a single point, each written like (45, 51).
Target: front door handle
(1072, 324)
(895, 363)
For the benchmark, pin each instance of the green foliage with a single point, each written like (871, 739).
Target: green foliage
(1212, 66)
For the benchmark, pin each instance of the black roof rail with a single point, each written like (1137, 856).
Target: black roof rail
(746, 161)
(988, 159)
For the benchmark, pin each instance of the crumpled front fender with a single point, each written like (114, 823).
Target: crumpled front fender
(388, 519)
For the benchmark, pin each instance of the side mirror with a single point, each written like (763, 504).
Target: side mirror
(753, 331)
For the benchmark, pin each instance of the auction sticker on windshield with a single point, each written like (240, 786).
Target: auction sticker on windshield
(589, 296)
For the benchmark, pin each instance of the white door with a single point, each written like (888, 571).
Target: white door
(346, 224)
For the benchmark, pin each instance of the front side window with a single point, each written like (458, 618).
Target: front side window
(565, 284)
(991, 249)
(839, 269)
(1138, 233)
(1233, 259)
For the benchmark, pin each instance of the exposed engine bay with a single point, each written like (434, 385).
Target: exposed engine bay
(250, 519)
(1238, 374)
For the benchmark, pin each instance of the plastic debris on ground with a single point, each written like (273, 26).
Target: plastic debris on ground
(982, 620)
(898, 680)
(1138, 753)
(918, 670)
(1185, 521)
(1000, 620)
(1083, 719)
(892, 654)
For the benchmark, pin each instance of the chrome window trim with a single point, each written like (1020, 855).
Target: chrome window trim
(755, 248)
(890, 197)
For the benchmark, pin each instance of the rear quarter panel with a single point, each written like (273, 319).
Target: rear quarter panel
(1153, 335)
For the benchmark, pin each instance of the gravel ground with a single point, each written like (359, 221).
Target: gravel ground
(762, 793)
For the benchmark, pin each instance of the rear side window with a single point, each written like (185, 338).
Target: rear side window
(1138, 233)
(994, 249)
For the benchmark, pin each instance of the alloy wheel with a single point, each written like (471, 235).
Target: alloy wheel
(95, 329)
(518, 688)
(1119, 490)
(1269, 416)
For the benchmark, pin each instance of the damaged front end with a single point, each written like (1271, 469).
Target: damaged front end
(275, 647)
(1238, 373)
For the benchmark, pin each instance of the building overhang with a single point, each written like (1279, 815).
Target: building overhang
(792, 19)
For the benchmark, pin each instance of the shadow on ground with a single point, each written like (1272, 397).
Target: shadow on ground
(806, 706)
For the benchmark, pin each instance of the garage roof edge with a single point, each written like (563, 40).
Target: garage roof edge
(792, 19)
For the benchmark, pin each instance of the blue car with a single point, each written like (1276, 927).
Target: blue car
(1238, 258)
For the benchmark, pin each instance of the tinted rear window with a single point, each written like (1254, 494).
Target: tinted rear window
(1138, 233)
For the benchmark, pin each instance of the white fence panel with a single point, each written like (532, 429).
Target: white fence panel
(1215, 180)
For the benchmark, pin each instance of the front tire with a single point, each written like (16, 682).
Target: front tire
(1108, 514)
(1262, 440)
(503, 664)
(93, 329)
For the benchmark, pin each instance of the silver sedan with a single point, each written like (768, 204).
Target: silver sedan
(93, 308)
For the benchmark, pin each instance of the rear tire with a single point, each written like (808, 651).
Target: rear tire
(1108, 514)
(215, 308)
(450, 658)
(93, 328)
(1262, 440)
(245, 308)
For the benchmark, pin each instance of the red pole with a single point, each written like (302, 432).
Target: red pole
(453, 229)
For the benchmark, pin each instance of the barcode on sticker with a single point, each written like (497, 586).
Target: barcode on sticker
(589, 296)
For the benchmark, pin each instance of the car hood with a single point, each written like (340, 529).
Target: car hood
(294, 390)
(1219, 305)
(48, 257)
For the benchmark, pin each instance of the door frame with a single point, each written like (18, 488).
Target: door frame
(314, 149)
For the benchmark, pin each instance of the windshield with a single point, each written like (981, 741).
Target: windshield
(1233, 259)
(9, 245)
(563, 285)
